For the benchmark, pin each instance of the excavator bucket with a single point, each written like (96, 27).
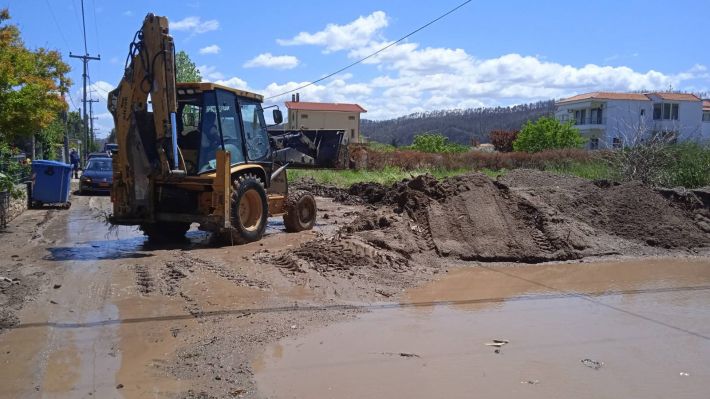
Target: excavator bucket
(309, 149)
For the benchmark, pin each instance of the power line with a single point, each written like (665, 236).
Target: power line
(59, 28)
(83, 24)
(375, 53)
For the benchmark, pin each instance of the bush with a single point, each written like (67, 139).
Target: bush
(689, 166)
(502, 140)
(547, 134)
(435, 143)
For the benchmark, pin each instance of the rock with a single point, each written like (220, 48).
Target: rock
(57, 286)
(119, 386)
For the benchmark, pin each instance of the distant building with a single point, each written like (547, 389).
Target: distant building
(312, 116)
(612, 120)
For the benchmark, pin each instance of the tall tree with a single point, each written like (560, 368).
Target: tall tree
(185, 69)
(31, 84)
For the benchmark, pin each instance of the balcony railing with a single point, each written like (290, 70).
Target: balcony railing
(590, 121)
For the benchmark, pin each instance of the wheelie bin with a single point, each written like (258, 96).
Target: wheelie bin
(50, 183)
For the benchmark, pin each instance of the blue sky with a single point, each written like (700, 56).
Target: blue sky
(486, 54)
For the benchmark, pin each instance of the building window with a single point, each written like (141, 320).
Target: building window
(351, 117)
(304, 116)
(643, 112)
(706, 116)
(665, 111)
(352, 133)
(596, 116)
(579, 116)
(657, 111)
(616, 142)
(594, 143)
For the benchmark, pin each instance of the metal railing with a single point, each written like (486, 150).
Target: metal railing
(590, 121)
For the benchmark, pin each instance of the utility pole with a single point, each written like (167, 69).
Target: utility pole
(91, 120)
(86, 58)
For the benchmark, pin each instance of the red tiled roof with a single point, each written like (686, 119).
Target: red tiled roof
(308, 106)
(706, 105)
(600, 95)
(677, 96)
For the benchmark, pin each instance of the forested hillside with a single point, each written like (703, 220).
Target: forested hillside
(460, 126)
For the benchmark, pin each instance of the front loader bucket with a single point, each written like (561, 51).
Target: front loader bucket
(309, 149)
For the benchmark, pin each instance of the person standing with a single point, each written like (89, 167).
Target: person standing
(74, 159)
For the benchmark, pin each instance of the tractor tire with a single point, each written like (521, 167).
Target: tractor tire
(249, 210)
(300, 211)
(165, 232)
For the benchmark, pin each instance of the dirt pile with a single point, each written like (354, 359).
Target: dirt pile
(526, 216)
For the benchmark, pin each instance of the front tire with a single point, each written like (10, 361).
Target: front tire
(249, 210)
(300, 211)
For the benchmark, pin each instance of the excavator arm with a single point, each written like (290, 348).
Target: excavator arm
(146, 138)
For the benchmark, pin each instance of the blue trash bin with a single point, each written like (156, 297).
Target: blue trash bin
(50, 182)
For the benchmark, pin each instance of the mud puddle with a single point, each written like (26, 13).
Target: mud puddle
(637, 328)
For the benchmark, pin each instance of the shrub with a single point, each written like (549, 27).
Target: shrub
(435, 143)
(502, 140)
(546, 134)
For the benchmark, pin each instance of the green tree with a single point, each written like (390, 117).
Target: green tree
(185, 69)
(31, 85)
(429, 142)
(547, 133)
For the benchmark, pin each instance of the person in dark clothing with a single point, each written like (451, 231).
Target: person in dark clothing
(74, 160)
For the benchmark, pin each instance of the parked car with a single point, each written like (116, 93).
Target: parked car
(97, 175)
(98, 155)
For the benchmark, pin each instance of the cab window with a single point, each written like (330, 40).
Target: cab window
(255, 135)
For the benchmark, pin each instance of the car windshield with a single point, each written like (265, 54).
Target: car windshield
(101, 165)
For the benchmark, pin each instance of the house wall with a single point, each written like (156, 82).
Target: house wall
(623, 119)
(348, 121)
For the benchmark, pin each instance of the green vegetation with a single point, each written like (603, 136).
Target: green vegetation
(547, 134)
(386, 176)
(32, 83)
(597, 169)
(10, 171)
(689, 166)
(435, 143)
(185, 69)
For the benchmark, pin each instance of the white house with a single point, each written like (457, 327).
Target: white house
(612, 120)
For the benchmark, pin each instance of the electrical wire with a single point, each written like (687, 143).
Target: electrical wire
(373, 54)
(83, 24)
(56, 22)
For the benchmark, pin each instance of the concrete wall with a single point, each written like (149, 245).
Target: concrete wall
(16, 205)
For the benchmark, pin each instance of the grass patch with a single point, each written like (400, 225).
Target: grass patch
(593, 170)
(385, 176)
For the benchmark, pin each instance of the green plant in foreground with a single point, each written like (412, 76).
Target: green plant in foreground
(546, 134)
(437, 143)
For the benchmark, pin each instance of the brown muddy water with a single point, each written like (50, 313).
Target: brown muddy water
(645, 325)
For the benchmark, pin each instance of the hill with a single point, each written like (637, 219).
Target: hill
(460, 126)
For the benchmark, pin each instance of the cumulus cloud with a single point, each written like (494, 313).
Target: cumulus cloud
(213, 49)
(194, 25)
(334, 37)
(267, 60)
(210, 73)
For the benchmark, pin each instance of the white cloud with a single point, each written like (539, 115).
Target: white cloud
(194, 25)
(209, 73)
(267, 60)
(127, 13)
(234, 82)
(334, 37)
(213, 49)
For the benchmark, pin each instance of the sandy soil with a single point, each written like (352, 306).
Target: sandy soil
(92, 311)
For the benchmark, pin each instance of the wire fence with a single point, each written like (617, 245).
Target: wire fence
(13, 175)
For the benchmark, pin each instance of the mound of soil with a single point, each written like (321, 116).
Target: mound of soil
(525, 216)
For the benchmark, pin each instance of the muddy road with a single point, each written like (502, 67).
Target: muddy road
(394, 285)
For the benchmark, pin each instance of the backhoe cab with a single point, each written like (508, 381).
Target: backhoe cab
(201, 155)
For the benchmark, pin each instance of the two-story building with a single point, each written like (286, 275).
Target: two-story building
(337, 116)
(612, 120)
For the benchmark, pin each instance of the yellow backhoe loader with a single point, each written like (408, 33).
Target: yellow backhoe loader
(200, 152)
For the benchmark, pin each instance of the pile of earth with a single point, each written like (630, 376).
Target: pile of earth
(525, 216)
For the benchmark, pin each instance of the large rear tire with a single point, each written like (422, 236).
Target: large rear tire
(249, 210)
(163, 232)
(300, 211)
